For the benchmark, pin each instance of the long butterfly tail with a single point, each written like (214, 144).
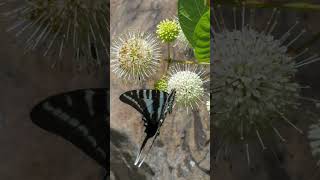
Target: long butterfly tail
(148, 150)
(141, 148)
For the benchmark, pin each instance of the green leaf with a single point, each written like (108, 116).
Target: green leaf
(189, 13)
(201, 38)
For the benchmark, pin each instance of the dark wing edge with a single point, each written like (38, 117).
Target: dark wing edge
(128, 98)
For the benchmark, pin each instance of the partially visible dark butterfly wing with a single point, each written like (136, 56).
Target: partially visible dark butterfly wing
(80, 117)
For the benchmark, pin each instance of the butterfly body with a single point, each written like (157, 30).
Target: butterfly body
(154, 106)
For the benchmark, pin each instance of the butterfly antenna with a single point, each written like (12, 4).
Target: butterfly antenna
(141, 148)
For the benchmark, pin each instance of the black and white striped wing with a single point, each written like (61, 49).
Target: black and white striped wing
(80, 117)
(150, 103)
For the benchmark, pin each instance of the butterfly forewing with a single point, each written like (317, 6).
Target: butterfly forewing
(80, 117)
(149, 103)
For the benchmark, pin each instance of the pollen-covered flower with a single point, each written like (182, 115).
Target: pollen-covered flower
(135, 56)
(167, 30)
(189, 85)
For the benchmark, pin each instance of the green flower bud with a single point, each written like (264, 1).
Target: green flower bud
(167, 31)
(162, 84)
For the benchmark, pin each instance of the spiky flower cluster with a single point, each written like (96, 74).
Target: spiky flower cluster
(81, 25)
(256, 75)
(167, 30)
(188, 84)
(314, 136)
(135, 56)
(253, 84)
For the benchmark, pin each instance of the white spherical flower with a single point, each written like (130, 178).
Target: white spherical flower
(135, 56)
(189, 85)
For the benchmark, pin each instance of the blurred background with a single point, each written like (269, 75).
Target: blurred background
(26, 151)
(291, 160)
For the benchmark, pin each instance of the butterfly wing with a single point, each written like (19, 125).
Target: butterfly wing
(80, 117)
(148, 102)
(170, 101)
(153, 105)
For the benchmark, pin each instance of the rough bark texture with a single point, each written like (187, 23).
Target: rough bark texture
(28, 152)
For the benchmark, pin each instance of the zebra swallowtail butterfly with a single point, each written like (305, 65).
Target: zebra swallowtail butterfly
(79, 116)
(154, 106)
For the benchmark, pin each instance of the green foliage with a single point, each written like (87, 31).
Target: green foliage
(201, 38)
(189, 13)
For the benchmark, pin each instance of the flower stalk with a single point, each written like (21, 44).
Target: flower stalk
(169, 58)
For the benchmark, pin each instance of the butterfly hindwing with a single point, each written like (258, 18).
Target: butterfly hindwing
(78, 116)
(170, 101)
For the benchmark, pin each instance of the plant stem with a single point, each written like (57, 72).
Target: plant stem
(168, 46)
(169, 59)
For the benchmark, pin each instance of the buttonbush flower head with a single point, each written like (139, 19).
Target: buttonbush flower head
(167, 30)
(162, 84)
(189, 85)
(55, 25)
(135, 56)
(254, 85)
